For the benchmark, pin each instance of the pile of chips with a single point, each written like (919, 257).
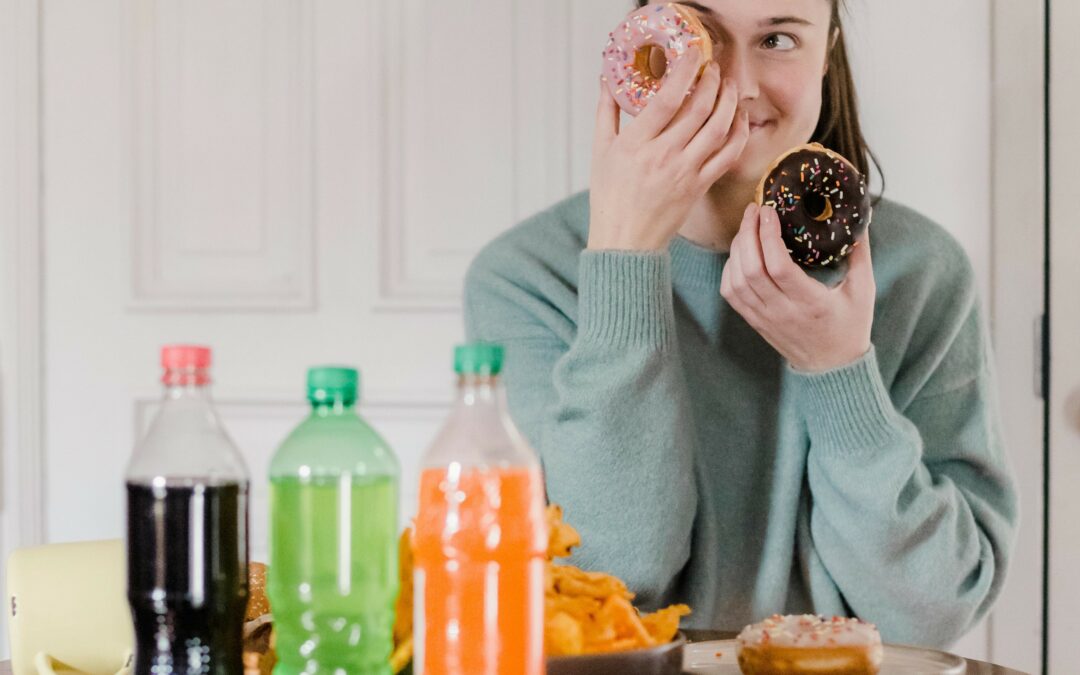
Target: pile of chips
(590, 612)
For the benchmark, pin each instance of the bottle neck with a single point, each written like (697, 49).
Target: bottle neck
(189, 401)
(186, 441)
(187, 391)
(333, 407)
(479, 431)
(480, 390)
(186, 377)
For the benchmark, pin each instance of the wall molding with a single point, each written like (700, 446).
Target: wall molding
(292, 405)
(377, 403)
(540, 101)
(264, 258)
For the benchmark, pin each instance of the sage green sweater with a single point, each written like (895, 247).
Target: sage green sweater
(700, 468)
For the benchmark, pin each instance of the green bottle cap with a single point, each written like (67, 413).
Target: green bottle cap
(326, 384)
(478, 358)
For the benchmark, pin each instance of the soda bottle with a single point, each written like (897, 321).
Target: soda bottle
(187, 530)
(333, 581)
(480, 536)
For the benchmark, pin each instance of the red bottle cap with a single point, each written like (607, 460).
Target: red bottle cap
(176, 357)
(185, 364)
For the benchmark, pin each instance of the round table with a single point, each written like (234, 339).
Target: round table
(973, 667)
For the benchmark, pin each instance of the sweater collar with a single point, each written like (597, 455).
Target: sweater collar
(694, 264)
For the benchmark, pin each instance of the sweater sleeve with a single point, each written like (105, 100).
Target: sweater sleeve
(914, 511)
(606, 406)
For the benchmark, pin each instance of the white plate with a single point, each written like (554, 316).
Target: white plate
(717, 657)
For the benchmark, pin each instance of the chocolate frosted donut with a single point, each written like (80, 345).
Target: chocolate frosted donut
(821, 200)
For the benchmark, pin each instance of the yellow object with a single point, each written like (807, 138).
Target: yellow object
(68, 610)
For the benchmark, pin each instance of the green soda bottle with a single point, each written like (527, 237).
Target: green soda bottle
(333, 577)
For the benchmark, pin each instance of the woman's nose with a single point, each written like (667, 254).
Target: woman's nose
(737, 66)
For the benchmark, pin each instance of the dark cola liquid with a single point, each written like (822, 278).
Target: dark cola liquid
(187, 577)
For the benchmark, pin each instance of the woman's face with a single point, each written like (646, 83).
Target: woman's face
(775, 50)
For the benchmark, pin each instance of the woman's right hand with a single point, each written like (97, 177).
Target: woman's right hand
(646, 178)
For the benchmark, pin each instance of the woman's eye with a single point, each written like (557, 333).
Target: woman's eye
(780, 42)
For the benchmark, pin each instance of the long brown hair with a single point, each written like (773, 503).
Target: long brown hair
(838, 124)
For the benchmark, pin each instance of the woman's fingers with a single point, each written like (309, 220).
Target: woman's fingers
(696, 111)
(741, 293)
(733, 288)
(859, 281)
(784, 271)
(728, 154)
(709, 138)
(666, 103)
(751, 260)
(607, 118)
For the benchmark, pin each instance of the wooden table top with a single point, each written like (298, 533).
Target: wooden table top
(973, 667)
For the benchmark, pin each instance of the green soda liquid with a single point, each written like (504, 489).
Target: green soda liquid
(334, 579)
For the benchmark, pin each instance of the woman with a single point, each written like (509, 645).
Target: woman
(723, 428)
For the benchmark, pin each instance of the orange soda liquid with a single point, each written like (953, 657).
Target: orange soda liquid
(479, 559)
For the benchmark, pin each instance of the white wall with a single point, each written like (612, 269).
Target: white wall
(301, 182)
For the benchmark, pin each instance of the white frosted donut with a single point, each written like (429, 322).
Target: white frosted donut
(644, 48)
(809, 644)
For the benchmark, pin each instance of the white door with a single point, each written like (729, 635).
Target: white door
(304, 182)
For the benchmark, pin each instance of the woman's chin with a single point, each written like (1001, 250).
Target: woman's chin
(748, 170)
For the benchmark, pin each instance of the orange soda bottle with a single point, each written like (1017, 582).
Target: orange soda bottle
(480, 536)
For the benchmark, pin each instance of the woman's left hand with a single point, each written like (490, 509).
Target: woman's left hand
(814, 327)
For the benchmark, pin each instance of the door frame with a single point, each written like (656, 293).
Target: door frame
(1016, 311)
(21, 322)
(21, 403)
(1063, 414)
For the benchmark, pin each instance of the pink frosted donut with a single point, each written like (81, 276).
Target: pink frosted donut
(645, 47)
(809, 644)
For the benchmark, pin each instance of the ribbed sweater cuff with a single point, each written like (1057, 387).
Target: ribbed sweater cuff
(624, 298)
(848, 410)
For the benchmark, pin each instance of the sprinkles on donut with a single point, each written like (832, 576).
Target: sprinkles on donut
(645, 47)
(822, 202)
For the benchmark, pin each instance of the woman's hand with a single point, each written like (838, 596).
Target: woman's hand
(646, 178)
(814, 327)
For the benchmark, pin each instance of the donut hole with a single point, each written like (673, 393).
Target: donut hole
(818, 206)
(651, 62)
